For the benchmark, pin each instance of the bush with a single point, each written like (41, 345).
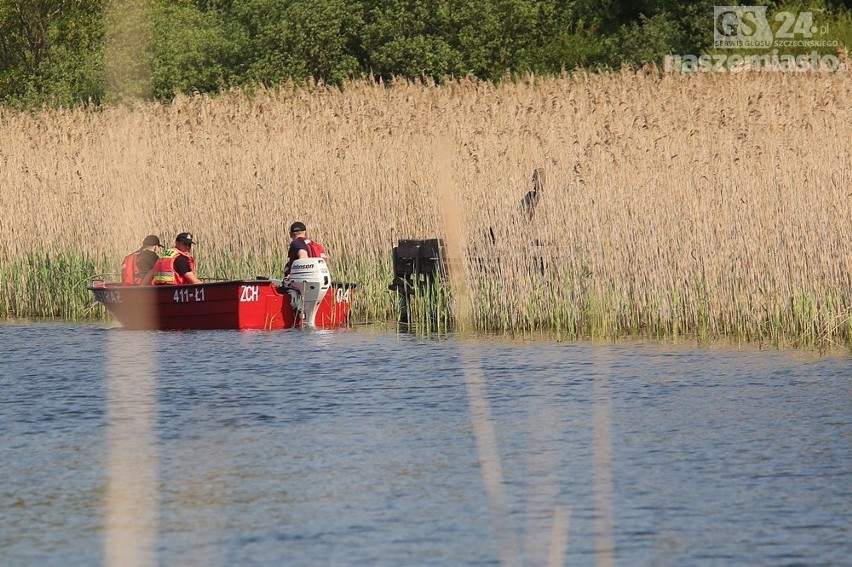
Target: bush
(61, 52)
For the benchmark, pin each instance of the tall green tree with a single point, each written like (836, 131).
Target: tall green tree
(409, 38)
(300, 39)
(70, 51)
(51, 50)
(195, 50)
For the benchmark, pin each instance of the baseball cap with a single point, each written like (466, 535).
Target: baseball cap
(185, 237)
(298, 227)
(151, 240)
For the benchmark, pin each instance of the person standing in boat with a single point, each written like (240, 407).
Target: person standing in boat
(176, 266)
(137, 265)
(301, 247)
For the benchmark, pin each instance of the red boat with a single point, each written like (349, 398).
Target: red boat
(307, 298)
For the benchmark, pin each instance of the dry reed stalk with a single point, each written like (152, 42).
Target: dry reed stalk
(716, 204)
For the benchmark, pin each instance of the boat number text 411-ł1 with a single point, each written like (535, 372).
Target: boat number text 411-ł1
(186, 295)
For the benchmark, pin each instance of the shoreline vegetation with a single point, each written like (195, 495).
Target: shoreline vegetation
(61, 53)
(708, 205)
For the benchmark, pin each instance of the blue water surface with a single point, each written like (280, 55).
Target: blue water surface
(368, 447)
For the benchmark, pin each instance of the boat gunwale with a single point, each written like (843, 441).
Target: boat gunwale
(273, 283)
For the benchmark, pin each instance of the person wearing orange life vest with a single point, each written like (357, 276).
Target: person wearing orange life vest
(301, 247)
(137, 265)
(176, 266)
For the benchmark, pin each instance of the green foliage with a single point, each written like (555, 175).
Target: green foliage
(49, 51)
(408, 38)
(498, 37)
(315, 39)
(646, 41)
(48, 285)
(194, 51)
(71, 51)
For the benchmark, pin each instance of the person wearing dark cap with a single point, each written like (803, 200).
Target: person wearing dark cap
(136, 265)
(176, 266)
(301, 247)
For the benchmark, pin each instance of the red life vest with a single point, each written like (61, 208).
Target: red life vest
(164, 269)
(129, 272)
(315, 249)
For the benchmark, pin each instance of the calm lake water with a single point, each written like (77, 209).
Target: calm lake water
(365, 447)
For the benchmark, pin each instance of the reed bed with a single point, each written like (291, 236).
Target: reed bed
(710, 205)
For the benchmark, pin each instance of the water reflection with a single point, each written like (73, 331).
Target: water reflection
(130, 525)
(602, 423)
(489, 458)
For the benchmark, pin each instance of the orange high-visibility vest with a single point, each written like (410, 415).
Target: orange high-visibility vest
(164, 269)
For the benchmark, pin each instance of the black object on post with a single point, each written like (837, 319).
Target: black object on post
(418, 265)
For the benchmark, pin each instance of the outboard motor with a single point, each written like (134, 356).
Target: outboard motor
(310, 278)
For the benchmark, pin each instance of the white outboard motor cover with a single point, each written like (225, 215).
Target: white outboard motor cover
(311, 279)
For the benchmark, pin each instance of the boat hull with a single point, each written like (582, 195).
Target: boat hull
(232, 304)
